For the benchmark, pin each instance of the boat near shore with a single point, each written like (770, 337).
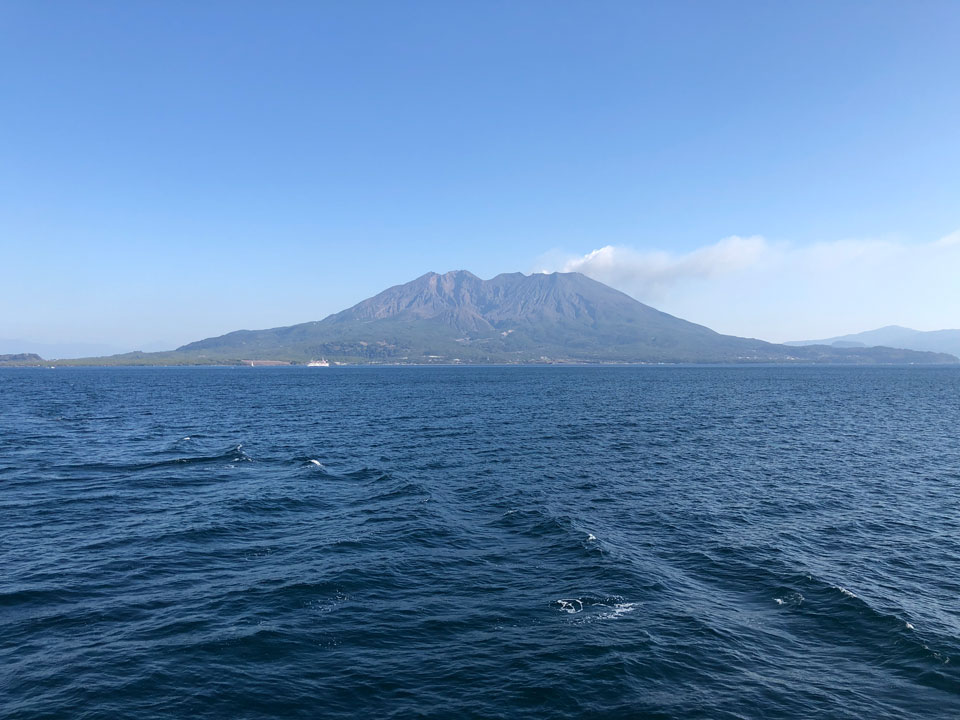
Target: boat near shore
(322, 362)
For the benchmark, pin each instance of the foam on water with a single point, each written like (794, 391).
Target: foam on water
(621, 609)
(571, 605)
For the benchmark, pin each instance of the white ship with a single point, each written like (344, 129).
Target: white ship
(318, 363)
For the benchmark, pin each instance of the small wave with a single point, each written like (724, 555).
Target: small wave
(233, 454)
(846, 592)
(897, 636)
(307, 461)
(368, 474)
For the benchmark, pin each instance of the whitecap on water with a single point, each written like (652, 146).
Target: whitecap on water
(844, 591)
(316, 462)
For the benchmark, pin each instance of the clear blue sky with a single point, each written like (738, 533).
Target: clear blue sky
(173, 170)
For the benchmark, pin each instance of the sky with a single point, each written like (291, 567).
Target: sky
(175, 170)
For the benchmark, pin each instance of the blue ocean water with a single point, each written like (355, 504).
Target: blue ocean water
(659, 542)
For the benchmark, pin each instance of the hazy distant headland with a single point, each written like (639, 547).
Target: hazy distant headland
(895, 336)
(20, 358)
(457, 318)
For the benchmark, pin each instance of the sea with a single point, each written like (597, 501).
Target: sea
(480, 542)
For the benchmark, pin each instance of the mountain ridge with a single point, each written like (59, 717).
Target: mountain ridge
(456, 317)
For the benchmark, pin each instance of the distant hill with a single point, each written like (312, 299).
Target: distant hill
(895, 336)
(21, 359)
(513, 318)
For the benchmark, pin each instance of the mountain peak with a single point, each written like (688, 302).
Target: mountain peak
(450, 274)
